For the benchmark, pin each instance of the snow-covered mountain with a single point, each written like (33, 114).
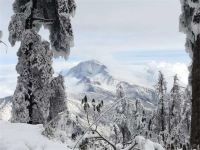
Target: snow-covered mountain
(90, 78)
(94, 79)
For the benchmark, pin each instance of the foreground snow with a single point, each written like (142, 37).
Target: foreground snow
(18, 136)
(25, 137)
(28, 137)
(145, 144)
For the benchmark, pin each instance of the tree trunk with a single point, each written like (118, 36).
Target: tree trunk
(195, 123)
(30, 96)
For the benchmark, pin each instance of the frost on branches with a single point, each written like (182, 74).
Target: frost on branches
(129, 118)
(57, 104)
(122, 115)
(175, 105)
(54, 14)
(161, 121)
(190, 25)
(39, 97)
(61, 34)
(34, 68)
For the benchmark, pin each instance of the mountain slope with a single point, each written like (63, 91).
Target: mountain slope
(94, 79)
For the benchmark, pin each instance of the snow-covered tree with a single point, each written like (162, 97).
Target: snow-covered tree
(186, 111)
(121, 95)
(184, 127)
(175, 114)
(140, 118)
(86, 107)
(175, 105)
(57, 100)
(190, 25)
(33, 88)
(162, 113)
(31, 100)
(122, 115)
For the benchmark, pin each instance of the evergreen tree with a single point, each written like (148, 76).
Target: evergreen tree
(33, 89)
(175, 110)
(161, 123)
(186, 112)
(122, 115)
(86, 107)
(57, 100)
(190, 25)
(175, 105)
(31, 100)
(185, 124)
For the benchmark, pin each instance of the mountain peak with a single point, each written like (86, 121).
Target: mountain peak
(93, 61)
(88, 68)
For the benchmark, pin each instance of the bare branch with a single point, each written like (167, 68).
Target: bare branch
(43, 20)
(102, 114)
(111, 144)
(5, 45)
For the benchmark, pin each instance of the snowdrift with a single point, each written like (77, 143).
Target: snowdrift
(18, 136)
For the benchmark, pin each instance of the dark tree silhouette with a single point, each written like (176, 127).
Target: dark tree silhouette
(190, 25)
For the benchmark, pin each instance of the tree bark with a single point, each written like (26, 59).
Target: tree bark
(195, 122)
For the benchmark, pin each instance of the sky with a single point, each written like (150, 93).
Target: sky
(134, 38)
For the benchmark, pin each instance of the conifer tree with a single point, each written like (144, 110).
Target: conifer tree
(122, 115)
(161, 118)
(175, 105)
(31, 100)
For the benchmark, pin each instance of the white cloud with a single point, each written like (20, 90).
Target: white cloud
(58, 66)
(169, 70)
(103, 28)
(145, 75)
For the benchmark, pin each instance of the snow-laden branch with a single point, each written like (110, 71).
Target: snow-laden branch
(104, 139)
(1, 34)
(96, 121)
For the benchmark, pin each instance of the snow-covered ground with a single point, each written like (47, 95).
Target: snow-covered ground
(18, 136)
(145, 144)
